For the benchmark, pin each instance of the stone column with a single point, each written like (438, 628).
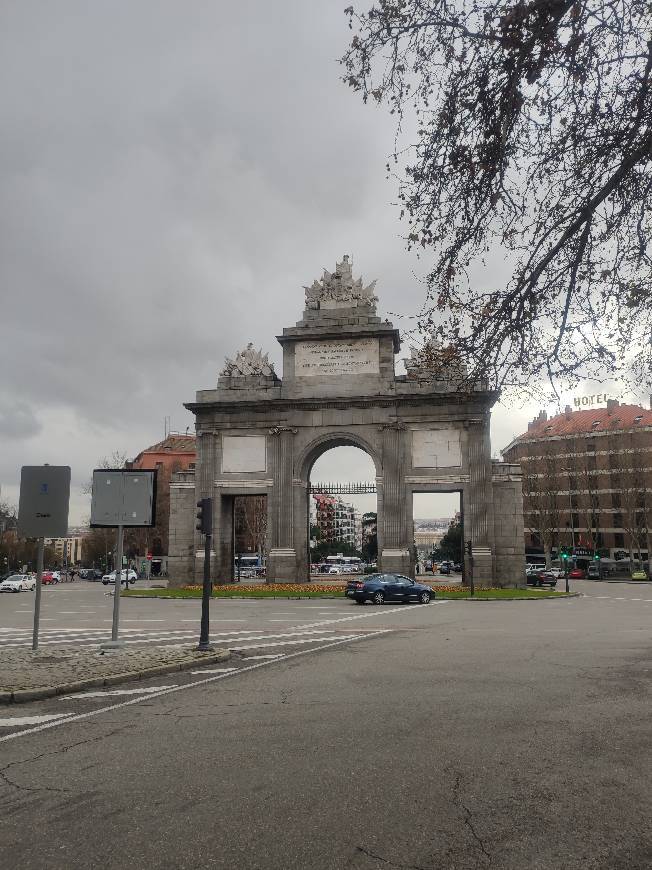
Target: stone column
(282, 557)
(478, 516)
(395, 555)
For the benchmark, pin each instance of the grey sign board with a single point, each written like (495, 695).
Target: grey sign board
(44, 501)
(123, 498)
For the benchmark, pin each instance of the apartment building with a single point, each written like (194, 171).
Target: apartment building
(587, 481)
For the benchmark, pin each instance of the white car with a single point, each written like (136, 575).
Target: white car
(125, 577)
(18, 583)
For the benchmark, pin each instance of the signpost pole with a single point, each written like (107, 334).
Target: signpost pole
(115, 627)
(37, 592)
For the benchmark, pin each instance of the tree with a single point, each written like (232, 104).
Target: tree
(542, 499)
(450, 546)
(533, 141)
(251, 523)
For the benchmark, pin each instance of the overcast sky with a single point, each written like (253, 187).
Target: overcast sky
(171, 174)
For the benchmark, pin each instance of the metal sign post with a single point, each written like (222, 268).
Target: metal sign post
(43, 512)
(115, 625)
(122, 498)
(37, 592)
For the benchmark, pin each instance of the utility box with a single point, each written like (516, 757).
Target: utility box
(44, 501)
(123, 498)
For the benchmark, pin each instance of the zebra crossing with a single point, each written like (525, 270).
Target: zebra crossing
(235, 639)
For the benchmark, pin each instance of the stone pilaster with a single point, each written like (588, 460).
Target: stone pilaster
(204, 488)
(478, 509)
(282, 557)
(395, 555)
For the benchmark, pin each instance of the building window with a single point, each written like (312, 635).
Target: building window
(576, 521)
(618, 520)
(614, 460)
(615, 500)
(619, 540)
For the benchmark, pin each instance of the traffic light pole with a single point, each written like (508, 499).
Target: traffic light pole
(205, 525)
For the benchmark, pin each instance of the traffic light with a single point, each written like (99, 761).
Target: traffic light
(205, 516)
(469, 548)
(564, 554)
(597, 557)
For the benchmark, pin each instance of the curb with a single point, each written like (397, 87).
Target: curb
(22, 696)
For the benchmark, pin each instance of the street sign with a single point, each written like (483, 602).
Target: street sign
(44, 501)
(123, 498)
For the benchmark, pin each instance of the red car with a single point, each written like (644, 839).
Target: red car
(577, 574)
(48, 577)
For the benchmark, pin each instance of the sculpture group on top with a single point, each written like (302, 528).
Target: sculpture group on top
(434, 362)
(340, 288)
(248, 362)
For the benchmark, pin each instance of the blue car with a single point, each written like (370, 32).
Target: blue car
(379, 588)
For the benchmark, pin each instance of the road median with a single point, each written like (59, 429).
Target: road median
(61, 670)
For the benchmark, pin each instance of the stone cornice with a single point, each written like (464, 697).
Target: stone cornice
(432, 401)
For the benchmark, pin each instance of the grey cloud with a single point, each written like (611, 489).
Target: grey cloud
(17, 419)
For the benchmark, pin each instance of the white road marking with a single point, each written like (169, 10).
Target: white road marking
(29, 720)
(288, 642)
(142, 620)
(68, 612)
(105, 692)
(214, 619)
(77, 717)
(269, 656)
(215, 670)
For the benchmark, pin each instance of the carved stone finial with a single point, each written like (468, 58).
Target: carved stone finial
(248, 362)
(338, 289)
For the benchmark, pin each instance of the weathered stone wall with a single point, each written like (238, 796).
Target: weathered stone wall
(181, 553)
(509, 568)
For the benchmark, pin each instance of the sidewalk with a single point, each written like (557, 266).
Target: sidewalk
(59, 670)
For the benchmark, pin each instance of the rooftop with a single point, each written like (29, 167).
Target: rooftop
(175, 442)
(615, 417)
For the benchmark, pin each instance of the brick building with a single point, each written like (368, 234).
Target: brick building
(587, 481)
(176, 453)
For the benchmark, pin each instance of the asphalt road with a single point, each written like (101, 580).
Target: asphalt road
(457, 735)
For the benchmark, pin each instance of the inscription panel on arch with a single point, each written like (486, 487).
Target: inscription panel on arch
(340, 356)
(436, 448)
(243, 453)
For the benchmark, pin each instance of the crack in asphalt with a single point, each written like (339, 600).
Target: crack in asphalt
(468, 820)
(61, 750)
(373, 855)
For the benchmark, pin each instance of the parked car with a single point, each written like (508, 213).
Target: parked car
(556, 572)
(639, 575)
(445, 568)
(540, 578)
(593, 571)
(378, 588)
(577, 574)
(18, 583)
(93, 574)
(48, 577)
(125, 577)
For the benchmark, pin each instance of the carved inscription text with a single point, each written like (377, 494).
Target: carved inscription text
(337, 357)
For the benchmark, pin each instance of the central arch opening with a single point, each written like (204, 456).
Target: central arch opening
(342, 512)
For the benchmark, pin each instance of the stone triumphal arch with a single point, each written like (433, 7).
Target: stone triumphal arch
(260, 434)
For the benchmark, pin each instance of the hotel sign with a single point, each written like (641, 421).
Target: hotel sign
(590, 401)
